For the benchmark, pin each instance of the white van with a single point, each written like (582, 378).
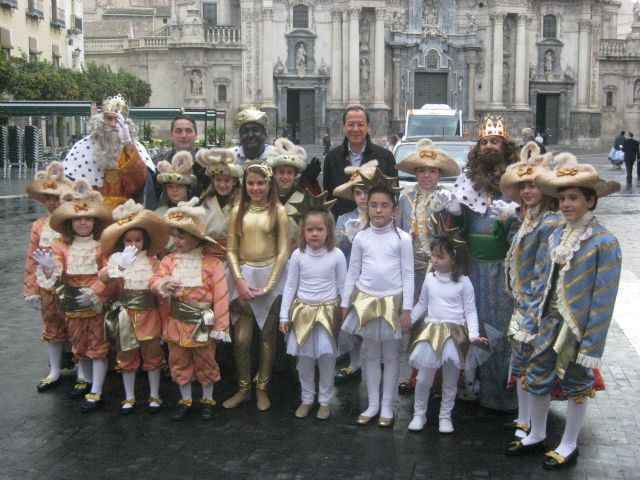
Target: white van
(433, 120)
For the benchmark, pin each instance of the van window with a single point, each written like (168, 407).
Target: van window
(427, 125)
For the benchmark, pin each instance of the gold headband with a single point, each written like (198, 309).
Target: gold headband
(264, 168)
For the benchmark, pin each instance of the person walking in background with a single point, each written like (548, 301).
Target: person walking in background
(631, 149)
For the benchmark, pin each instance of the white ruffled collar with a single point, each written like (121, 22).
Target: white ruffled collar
(572, 235)
(82, 256)
(189, 268)
(48, 236)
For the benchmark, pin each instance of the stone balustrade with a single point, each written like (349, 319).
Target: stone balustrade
(222, 35)
(612, 47)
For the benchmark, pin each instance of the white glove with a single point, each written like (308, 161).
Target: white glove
(123, 129)
(503, 211)
(45, 259)
(35, 303)
(128, 257)
(441, 199)
(85, 299)
(351, 227)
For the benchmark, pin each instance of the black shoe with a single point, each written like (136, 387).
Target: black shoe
(206, 411)
(91, 402)
(47, 384)
(555, 461)
(153, 409)
(346, 375)
(182, 410)
(517, 448)
(405, 388)
(128, 410)
(80, 389)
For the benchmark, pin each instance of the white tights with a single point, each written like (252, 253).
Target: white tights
(307, 375)
(424, 382)
(54, 351)
(375, 352)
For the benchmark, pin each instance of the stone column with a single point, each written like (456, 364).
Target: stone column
(267, 59)
(344, 56)
(584, 27)
(521, 63)
(354, 55)
(378, 92)
(471, 86)
(248, 56)
(395, 94)
(336, 56)
(498, 23)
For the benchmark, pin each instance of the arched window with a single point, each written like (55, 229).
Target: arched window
(222, 93)
(433, 59)
(300, 16)
(550, 26)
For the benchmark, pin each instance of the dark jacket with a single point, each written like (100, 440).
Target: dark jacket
(338, 159)
(630, 148)
(618, 141)
(198, 171)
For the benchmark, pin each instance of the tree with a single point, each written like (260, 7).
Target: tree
(100, 82)
(7, 74)
(43, 81)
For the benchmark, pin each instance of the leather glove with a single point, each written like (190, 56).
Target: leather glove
(312, 171)
(503, 211)
(35, 303)
(123, 129)
(351, 227)
(128, 257)
(45, 259)
(85, 299)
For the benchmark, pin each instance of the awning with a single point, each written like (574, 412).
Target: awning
(149, 113)
(45, 109)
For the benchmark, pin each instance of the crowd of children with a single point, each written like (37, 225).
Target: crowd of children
(256, 251)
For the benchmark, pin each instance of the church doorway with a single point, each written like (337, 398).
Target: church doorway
(548, 114)
(301, 116)
(430, 87)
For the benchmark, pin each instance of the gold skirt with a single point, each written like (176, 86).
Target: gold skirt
(436, 334)
(305, 316)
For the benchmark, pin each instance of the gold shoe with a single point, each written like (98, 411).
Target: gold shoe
(262, 401)
(385, 422)
(303, 410)
(324, 412)
(237, 399)
(363, 419)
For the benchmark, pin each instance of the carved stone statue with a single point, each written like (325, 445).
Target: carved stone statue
(323, 69)
(301, 60)
(548, 62)
(568, 73)
(398, 22)
(365, 32)
(472, 24)
(196, 82)
(278, 69)
(365, 71)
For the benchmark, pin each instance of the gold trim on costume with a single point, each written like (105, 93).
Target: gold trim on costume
(370, 308)
(307, 315)
(436, 334)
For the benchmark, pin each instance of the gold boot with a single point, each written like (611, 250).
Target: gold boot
(262, 400)
(237, 399)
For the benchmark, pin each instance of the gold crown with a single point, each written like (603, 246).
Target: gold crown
(492, 126)
(313, 202)
(115, 104)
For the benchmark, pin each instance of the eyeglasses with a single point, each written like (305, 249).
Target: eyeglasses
(352, 125)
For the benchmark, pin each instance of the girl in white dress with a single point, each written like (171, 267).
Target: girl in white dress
(448, 322)
(309, 312)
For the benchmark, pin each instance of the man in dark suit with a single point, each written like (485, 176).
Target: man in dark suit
(356, 149)
(631, 148)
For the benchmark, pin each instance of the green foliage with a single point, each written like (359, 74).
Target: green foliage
(147, 131)
(7, 74)
(215, 135)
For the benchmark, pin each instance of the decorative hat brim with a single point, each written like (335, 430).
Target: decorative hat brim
(145, 220)
(433, 159)
(179, 178)
(79, 208)
(287, 161)
(40, 188)
(346, 189)
(549, 183)
(187, 224)
(232, 170)
(516, 174)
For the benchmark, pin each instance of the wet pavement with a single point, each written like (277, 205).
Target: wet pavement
(45, 436)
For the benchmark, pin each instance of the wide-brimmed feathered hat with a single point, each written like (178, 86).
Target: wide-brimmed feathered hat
(80, 201)
(180, 170)
(355, 178)
(532, 163)
(251, 115)
(569, 173)
(131, 215)
(286, 153)
(50, 181)
(188, 216)
(428, 156)
(219, 161)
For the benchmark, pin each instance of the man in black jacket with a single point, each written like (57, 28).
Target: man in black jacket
(356, 149)
(630, 148)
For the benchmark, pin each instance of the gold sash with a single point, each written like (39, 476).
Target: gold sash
(196, 313)
(68, 305)
(436, 334)
(370, 308)
(306, 315)
(118, 326)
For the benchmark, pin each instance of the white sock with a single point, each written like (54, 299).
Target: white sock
(207, 391)
(372, 375)
(423, 389)
(524, 398)
(306, 374)
(576, 414)
(354, 355)
(390, 353)
(450, 375)
(99, 374)
(85, 370)
(129, 382)
(538, 410)
(185, 391)
(154, 384)
(326, 366)
(55, 359)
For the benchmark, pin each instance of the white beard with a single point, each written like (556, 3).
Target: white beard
(107, 147)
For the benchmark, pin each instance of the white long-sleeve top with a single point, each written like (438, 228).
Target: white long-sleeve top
(381, 264)
(443, 300)
(314, 276)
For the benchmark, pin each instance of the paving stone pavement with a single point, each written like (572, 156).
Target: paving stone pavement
(45, 436)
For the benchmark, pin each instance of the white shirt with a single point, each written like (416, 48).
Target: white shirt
(443, 300)
(314, 276)
(381, 264)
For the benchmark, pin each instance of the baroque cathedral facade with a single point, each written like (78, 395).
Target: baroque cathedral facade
(560, 66)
